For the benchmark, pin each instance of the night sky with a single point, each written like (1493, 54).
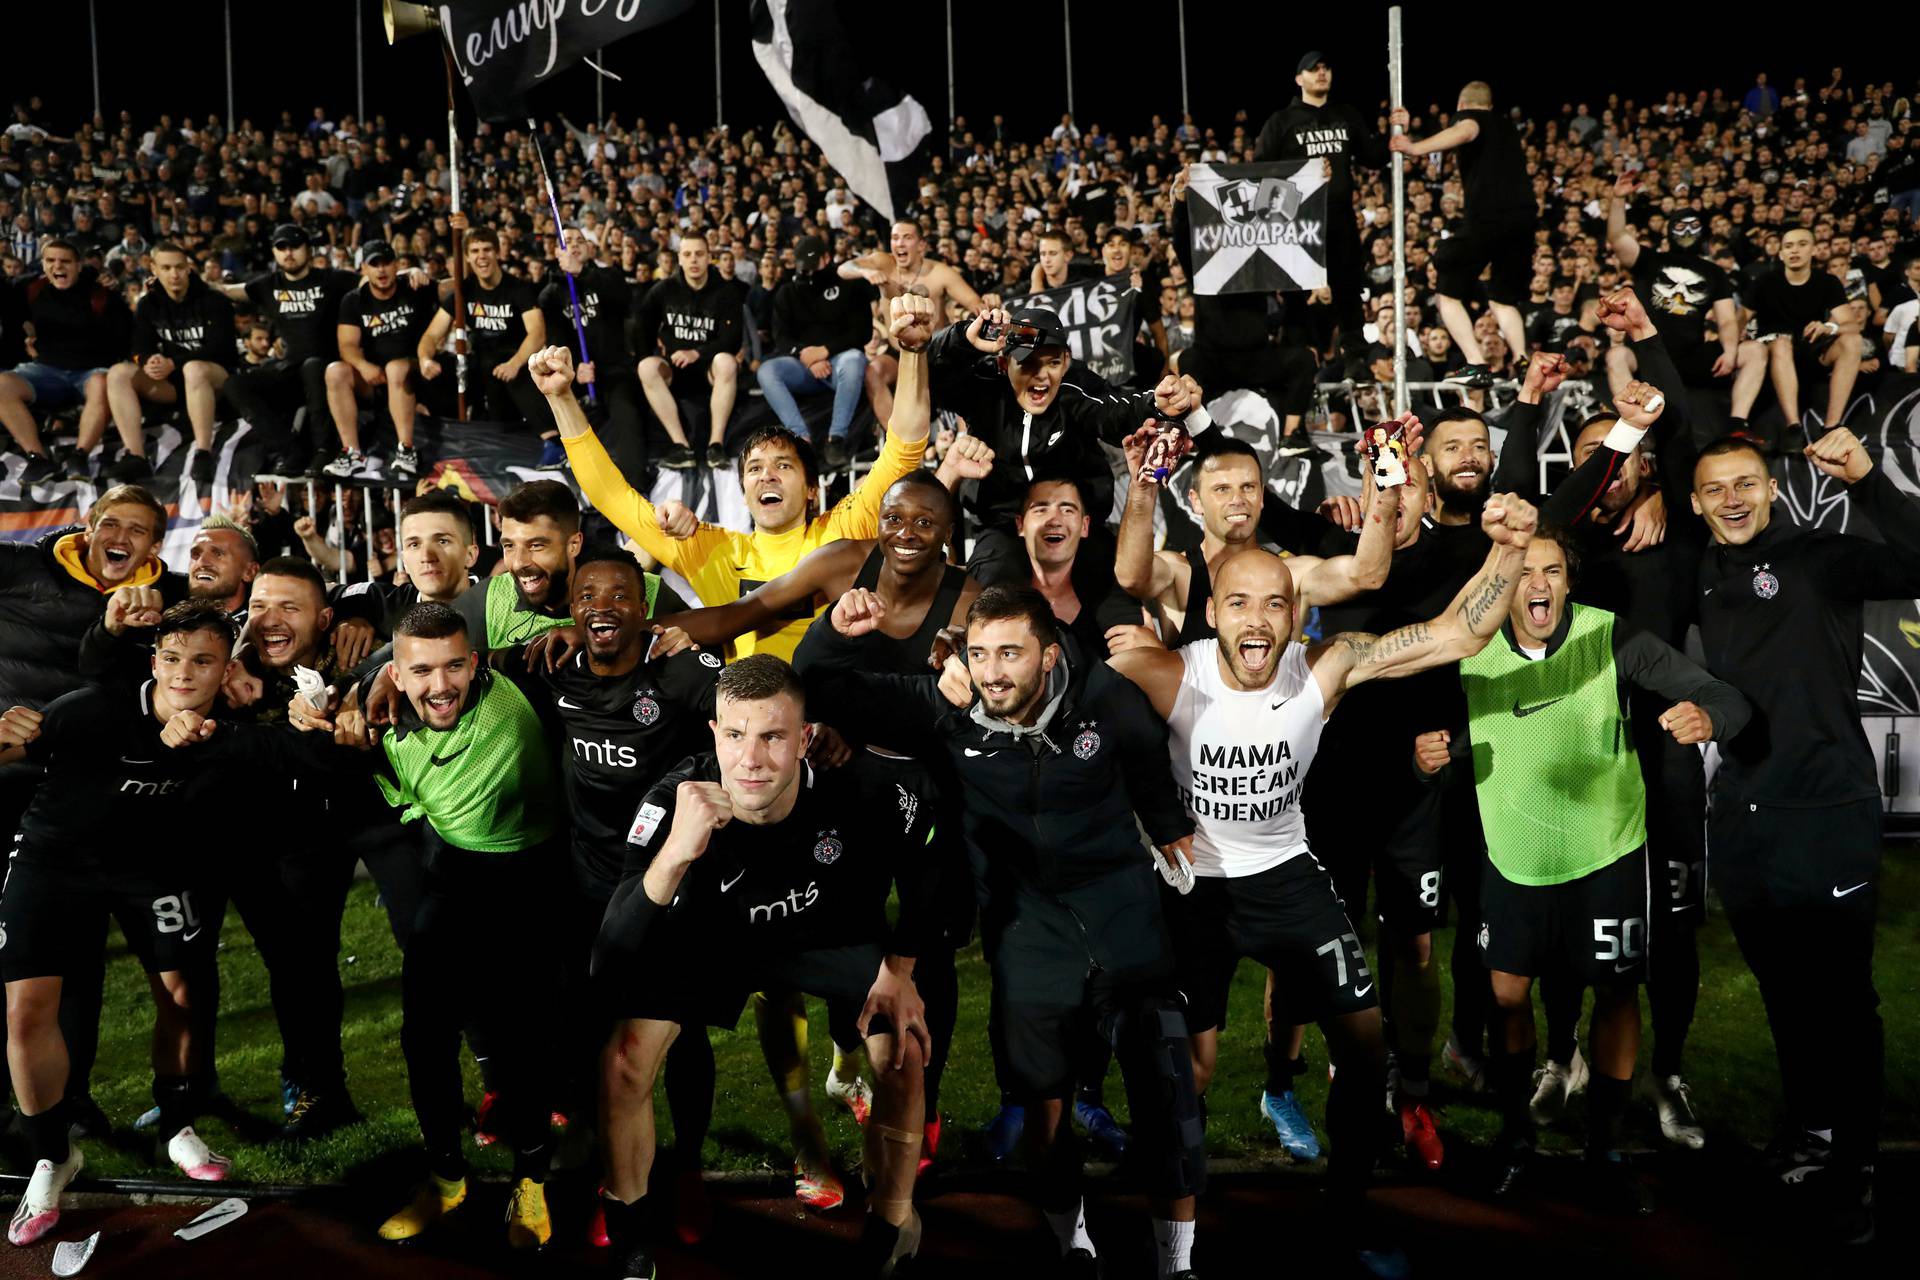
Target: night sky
(1008, 58)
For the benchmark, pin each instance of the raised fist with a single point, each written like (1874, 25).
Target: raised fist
(1509, 520)
(19, 726)
(677, 519)
(552, 370)
(1639, 404)
(1840, 454)
(1621, 311)
(910, 319)
(970, 457)
(700, 809)
(1545, 372)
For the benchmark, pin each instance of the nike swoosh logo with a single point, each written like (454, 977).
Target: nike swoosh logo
(1519, 710)
(571, 706)
(970, 751)
(728, 884)
(131, 760)
(1707, 592)
(1283, 702)
(1621, 968)
(440, 760)
(1361, 991)
(1841, 893)
(189, 937)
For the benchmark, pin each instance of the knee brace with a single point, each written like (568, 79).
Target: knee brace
(1150, 1040)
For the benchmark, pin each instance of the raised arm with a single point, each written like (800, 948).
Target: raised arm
(1454, 135)
(1460, 631)
(1854, 568)
(1141, 571)
(858, 514)
(1337, 578)
(1625, 245)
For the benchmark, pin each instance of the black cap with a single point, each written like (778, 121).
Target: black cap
(1308, 61)
(808, 252)
(1049, 332)
(376, 251)
(289, 234)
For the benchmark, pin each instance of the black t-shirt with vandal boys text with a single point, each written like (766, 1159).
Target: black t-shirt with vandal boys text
(673, 316)
(390, 328)
(494, 327)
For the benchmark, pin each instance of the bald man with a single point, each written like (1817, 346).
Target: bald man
(1244, 714)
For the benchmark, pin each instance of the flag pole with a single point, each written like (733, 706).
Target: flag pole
(1066, 22)
(951, 113)
(719, 99)
(93, 44)
(458, 255)
(1399, 224)
(359, 69)
(226, 11)
(559, 241)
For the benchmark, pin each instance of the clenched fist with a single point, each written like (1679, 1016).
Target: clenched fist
(967, 458)
(1840, 454)
(1430, 751)
(910, 319)
(134, 607)
(1621, 311)
(18, 727)
(1509, 520)
(552, 370)
(1639, 404)
(700, 809)
(858, 612)
(1687, 723)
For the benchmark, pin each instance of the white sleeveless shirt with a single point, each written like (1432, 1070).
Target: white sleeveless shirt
(1240, 758)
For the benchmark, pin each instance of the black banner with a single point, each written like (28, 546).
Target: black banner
(503, 48)
(1099, 318)
(1258, 228)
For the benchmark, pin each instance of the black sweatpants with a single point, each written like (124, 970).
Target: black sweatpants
(268, 395)
(490, 399)
(1801, 889)
(482, 952)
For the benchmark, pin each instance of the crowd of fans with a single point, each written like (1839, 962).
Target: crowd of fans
(1700, 254)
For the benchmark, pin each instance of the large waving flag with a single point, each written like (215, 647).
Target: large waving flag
(866, 129)
(503, 48)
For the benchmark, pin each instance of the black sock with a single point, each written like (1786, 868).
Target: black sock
(531, 1163)
(47, 1134)
(448, 1166)
(1606, 1104)
(1281, 1069)
(626, 1223)
(1510, 1074)
(178, 1102)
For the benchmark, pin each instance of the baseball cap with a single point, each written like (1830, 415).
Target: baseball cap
(807, 253)
(376, 251)
(1049, 332)
(288, 234)
(1308, 60)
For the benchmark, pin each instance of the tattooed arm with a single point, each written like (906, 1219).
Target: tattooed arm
(1461, 630)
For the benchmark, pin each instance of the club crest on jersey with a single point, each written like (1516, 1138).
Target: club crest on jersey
(1087, 741)
(909, 806)
(645, 709)
(1483, 937)
(827, 849)
(1765, 585)
(709, 659)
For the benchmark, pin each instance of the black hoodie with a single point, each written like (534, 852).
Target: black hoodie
(674, 316)
(1301, 131)
(822, 310)
(198, 327)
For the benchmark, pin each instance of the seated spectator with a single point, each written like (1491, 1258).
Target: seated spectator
(504, 329)
(820, 328)
(379, 332)
(691, 320)
(80, 327)
(183, 350)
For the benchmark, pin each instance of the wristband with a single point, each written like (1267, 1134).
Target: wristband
(1624, 437)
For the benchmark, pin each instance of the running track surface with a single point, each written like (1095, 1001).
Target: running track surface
(1715, 1218)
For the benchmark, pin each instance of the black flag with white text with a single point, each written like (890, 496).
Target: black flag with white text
(503, 48)
(867, 130)
(1100, 320)
(1258, 228)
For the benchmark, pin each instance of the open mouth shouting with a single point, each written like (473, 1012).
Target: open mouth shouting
(603, 631)
(1539, 610)
(276, 644)
(1038, 393)
(1256, 652)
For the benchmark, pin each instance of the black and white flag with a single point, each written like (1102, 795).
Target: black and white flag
(866, 129)
(503, 48)
(1099, 318)
(1258, 228)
